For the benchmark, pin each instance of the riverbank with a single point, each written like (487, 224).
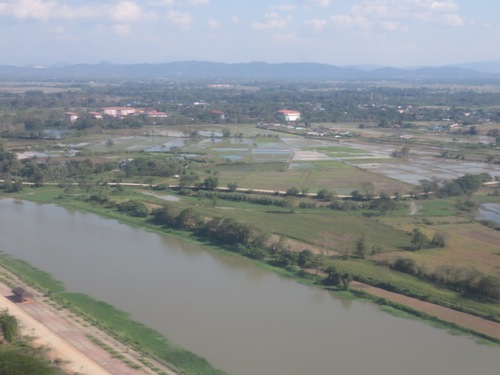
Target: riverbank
(85, 328)
(65, 338)
(183, 273)
(467, 321)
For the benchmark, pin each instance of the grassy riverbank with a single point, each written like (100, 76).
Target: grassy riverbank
(113, 321)
(361, 269)
(326, 229)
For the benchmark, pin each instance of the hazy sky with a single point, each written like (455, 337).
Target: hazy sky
(338, 32)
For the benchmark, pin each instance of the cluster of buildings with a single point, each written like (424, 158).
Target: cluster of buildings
(286, 116)
(118, 112)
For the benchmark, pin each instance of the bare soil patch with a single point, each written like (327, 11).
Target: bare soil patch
(475, 323)
(66, 337)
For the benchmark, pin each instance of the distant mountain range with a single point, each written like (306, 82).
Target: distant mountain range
(480, 71)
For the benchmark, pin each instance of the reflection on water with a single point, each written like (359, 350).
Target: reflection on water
(489, 211)
(241, 318)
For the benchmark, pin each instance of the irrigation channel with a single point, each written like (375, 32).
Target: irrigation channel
(241, 318)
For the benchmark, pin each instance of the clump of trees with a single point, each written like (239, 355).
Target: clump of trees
(335, 278)
(403, 152)
(465, 185)
(9, 326)
(140, 167)
(133, 208)
(421, 241)
(465, 280)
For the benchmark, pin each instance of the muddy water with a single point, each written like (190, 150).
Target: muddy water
(242, 319)
(489, 211)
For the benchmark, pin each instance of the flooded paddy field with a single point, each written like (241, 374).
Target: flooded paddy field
(425, 168)
(341, 165)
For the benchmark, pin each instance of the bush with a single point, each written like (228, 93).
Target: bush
(14, 363)
(133, 208)
(9, 326)
(406, 265)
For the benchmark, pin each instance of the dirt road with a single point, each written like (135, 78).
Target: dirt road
(66, 339)
(468, 321)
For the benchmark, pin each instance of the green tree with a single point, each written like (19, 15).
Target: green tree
(232, 186)
(188, 179)
(361, 247)
(419, 240)
(325, 195)
(210, 183)
(9, 326)
(134, 208)
(305, 258)
(438, 240)
(332, 278)
(14, 363)
(346, 280)
(293, 191)
(188, 219)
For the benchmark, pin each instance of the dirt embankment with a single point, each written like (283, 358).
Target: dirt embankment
(66, 338)
(468, 321)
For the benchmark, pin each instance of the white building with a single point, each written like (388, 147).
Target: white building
(70, 116)
(119, 111)
(288, 116)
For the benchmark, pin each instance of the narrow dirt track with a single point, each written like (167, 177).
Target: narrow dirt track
(67, 341)
(468, 321)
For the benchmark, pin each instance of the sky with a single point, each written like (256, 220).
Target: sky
(337, 32)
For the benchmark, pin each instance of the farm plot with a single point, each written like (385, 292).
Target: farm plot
(425, 168)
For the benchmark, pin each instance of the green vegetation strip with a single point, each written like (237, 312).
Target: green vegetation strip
(114, 321)
(410, 313)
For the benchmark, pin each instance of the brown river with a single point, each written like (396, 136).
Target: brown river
(242, 319)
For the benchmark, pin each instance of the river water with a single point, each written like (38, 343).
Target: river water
(242, 319)
(489, 211)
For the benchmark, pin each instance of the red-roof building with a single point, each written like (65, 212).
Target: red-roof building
(70, 116)
(156, 114)
(288, 115)
(218, 114)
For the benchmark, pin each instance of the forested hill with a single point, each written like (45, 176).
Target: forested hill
(254, 70)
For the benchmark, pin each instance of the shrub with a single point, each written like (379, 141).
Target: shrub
(406, 265)
(133, 208)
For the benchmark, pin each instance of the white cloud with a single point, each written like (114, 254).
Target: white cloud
(179, 2)
(121, 30)
(311, 4)
(453, 20)
(445, 6)
(317, 24)
(343, 21)
(323, 3)
(122, 11)
(390, 14)
(403, 9)
(390, 25)
(182, 20)
(273, 21)
(235, 20)
(285, 7)
(199, 2)
(44, 10)
(286, 37)
(33, 9)
(213, 24)
(126, 11)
